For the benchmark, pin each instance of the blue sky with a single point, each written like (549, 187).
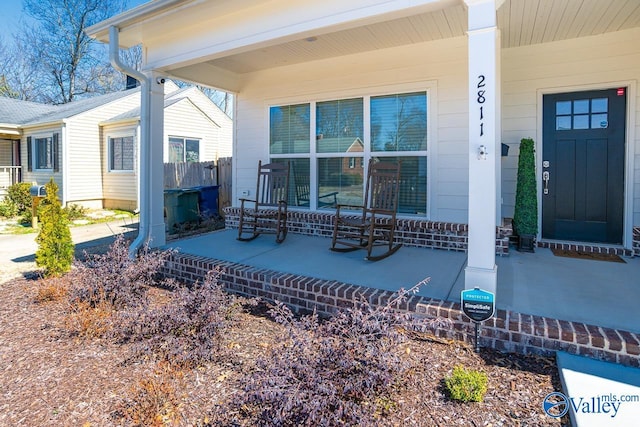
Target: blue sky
(12, 12)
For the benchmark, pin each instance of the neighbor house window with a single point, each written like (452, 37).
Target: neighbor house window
(44, 152)
(121, 153)
(347, 135)
(183, 149)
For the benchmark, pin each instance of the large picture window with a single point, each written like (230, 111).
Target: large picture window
(183, 149)
(330, 167)
(121, 153)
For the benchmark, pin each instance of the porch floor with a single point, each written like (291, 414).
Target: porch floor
(592, 292)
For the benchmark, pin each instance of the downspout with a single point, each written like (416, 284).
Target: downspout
(143, 160)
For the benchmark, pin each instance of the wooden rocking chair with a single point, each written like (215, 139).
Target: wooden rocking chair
(376, 225)
(267, 213)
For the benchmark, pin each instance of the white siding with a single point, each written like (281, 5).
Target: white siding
(604, 61)
(85, 155)
(184, 119)
(119, 187)
(440, 65)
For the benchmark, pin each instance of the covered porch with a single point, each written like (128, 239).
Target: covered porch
(543, 302)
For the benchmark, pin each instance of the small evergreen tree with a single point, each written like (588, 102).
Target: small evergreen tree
(525, 217)
(55, 247)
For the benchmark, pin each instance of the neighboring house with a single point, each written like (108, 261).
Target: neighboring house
(439, 84)
(90, 146)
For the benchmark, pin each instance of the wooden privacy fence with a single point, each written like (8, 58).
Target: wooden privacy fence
(196, 174)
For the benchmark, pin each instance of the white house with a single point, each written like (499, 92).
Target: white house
(438, 83)
(89, 147)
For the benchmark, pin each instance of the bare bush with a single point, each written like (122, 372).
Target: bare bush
(334, 373)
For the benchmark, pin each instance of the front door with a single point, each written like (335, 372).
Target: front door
(583, 154)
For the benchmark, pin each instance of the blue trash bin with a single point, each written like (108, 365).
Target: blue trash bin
(208, 200)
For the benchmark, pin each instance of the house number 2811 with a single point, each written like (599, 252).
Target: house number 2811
(480, 100)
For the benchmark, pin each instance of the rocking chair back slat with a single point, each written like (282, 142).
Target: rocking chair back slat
(272, 189)
(376, 227)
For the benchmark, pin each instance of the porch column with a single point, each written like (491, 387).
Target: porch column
(155, 169)
(484, 146)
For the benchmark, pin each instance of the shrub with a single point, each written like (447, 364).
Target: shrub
(20, 196)
(51, 289)
(115, 279)
(525, 217)
(8, 209)
(188, 329)
(74, 211)
(466, 385)
(338, 372)
(152, 400)
(55, 247)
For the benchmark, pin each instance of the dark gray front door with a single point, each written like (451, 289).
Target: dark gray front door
(583, 156)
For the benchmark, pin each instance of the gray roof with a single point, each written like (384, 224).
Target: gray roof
(17, 111)
(71, 109)
(135, 112)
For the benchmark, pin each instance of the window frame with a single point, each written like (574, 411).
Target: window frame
(184, 147)
(36, 152)
(430, 90)
(122, 134)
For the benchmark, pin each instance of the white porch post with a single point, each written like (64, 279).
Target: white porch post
(484, 145)
(155, 169)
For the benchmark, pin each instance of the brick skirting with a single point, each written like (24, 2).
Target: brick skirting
(508, 331)
(410, 232)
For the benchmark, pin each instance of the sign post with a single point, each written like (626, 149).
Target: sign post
(478, 305)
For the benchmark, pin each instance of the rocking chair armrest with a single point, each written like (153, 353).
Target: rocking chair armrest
(338, 207)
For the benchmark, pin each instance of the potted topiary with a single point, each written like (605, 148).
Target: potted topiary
(525, 217)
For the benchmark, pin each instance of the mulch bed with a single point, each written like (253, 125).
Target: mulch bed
(50, 378)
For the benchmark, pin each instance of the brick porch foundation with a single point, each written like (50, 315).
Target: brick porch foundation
(508, 331)
(411, 232)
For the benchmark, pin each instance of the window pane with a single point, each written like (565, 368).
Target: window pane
(339, 126)
(563, 123)
(581, 106)
(599, 105)
(599, 121)
(44, 151)
(299, 181)
(413, 184)
(289, 129)
(335, 177)
(581, 122)
(193, 150)
(563, 107)
(399, 122)
(121, 153)
(176, 150)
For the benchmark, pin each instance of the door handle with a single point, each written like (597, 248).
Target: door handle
(545, 178)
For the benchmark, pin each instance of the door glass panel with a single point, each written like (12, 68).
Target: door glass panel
(599, 121)
(563, 107)
(581, 106)
(581, 122)
(599, 105)
(563, 123)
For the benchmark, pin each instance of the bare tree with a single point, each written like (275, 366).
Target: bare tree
(68, 63)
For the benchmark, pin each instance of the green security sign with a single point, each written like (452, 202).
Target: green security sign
(477, 304)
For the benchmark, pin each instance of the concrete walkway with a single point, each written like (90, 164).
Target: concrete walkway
(599, 394)
(17, 251)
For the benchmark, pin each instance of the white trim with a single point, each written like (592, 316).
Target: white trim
(630, 138)
(366, 93)
(121, 133)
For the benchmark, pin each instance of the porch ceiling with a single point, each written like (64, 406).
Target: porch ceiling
(522, 22)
